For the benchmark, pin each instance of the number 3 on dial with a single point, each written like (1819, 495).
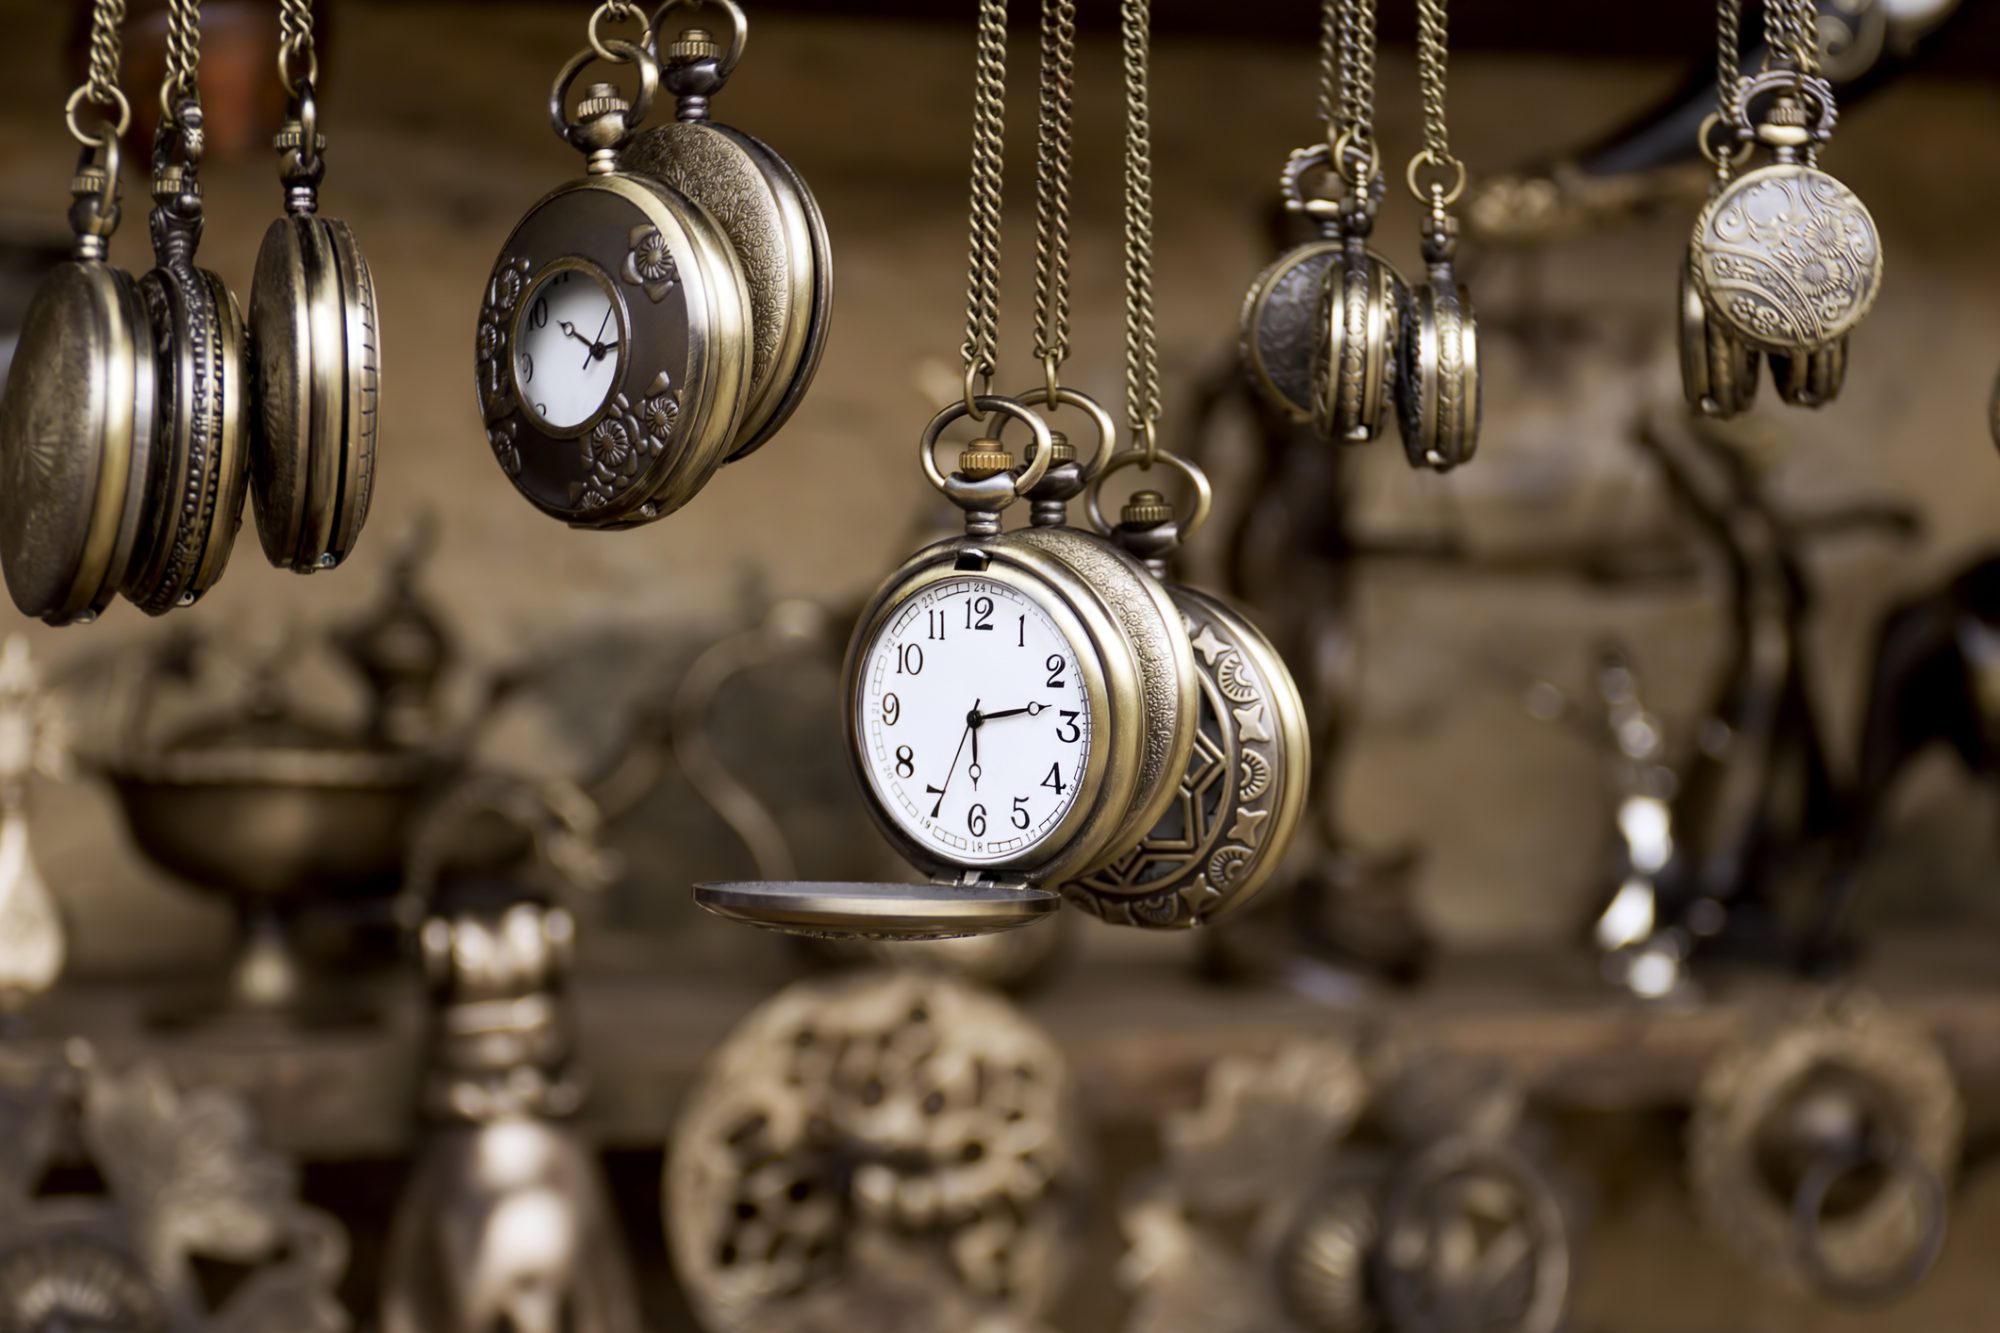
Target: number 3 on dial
(973, 720)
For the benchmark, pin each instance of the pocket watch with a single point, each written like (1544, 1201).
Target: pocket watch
(1243, 791)
(613, 356)
(766, 213)
(200, 463)
(1812, 378)
(1718, 369)
(1281, 311)
(1358, 331)
(317, 341)
(76, 425)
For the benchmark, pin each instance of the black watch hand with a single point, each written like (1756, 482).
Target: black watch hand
(596, 347)
(1031, 710)
(570, 329)
(972, 721)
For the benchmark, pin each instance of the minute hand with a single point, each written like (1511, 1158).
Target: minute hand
(1031, 710)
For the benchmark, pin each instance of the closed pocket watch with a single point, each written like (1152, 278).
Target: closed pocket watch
(317, 342)
(1281, 311)
(76, 426)
(613, 354)
(200, 463)
(1718, 369)
(766, 213)
(1362, 300)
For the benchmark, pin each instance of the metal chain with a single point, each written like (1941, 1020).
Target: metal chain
(1142, 353)
(1791, 35)
(182, 82)
(1354, 144)
(100, 87)
(989, 124)
(1331, 81)
(1805, 37)
(295, 45)
(1052, 177)
(1728, 54)
(1433, 52)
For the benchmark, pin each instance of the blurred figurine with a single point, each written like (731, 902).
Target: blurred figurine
(505, 1223)
(32, 740)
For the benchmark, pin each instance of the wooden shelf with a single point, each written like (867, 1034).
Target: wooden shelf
(1140, 1030)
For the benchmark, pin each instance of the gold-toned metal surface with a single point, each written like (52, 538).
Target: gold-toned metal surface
(1811, 379)
(881, 1128)
(184, 1182)
(1718, 370)
(932, 911)
(1787, 258)
(1240, 797)
(770, 219)
(1837, 1089)
(1357, 335)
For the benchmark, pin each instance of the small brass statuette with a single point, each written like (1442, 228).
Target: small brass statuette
(183, 1180)
(881, 1144)
(505, 1223)
(1822, 1147)
(1337, 1188)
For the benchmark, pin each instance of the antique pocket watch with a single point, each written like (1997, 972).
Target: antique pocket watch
(767, 214)
(1281, 311)
(613, 355)
(316, 339)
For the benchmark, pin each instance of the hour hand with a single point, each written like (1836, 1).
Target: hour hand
(1030, 709)
(570, 329)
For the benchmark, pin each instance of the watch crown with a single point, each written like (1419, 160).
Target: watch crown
(88, 180)
(693, 44)
(1146, 507)
(984, 458)
(601, 99)
(1061, 450)
(1786, 124)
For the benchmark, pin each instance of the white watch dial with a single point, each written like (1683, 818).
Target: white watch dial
(569, 348)
(975, 720)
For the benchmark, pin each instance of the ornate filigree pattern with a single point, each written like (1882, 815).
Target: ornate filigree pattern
(1788, 257)
(496, 322)
(618, 449)
(650, 264)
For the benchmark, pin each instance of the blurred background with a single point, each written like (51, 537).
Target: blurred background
(1471, 777)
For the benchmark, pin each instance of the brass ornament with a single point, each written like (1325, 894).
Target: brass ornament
(317, 336)
(658, 320)
(1362, 304)
(1281, 316)
(767, 214)
(878, 1130)
(78, 418)
(1839, 1094)
(1718, 370)
(1811, 379)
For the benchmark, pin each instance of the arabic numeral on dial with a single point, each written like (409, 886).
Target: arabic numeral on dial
(892, 709)
(1022, 642)
(1020, 812)
(906, 762)
(527, 368)
(1054, 780)
(934, 624)
(979, 613)
(910, 660)
(1055, 666)
(975, 820)
(538, 314)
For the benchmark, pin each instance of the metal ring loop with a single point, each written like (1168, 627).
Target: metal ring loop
(1342, 146)
(606, 51)
(1808, 88)
(1107, 429)
(982, 377)
(739, 35)
(1705, 140)
(1809, 1206)
(649, 85)
(1462, 1155)
(1291, 181)
(1026, 479)
(112, 131)
(1051, 379)
(288, 53)
(1204, 495)
(308, 122)
(1451, 165)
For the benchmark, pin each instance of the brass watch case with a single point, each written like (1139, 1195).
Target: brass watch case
(1787, 258)
(1240, 797)
(1163, 658)
(775, 226)
(1439, 395)
(1354, 357)
(1114, 686)
(1811, 379)
(314, 326)
(1280, 326)
(684, 310)
(1718, 369)
(201, 466)
(76, 442)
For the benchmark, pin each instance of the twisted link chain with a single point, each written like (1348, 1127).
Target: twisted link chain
(1332, 111)
(1052, 177)
(1142, 353)
(1433, 51)
(1791, 35)
(107, 18)
(295, 45)
(989, 126)
(183, 72)
(1357, 82)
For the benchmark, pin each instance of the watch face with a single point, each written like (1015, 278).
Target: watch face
(569, 346)
(974, 720)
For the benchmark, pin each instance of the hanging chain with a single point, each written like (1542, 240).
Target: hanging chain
(1332, 112)
(1791, 36)
(1142, 353)
(298, 63)
(1728, 54)
(1052, 177)
(1433, 55)
(1354, 152)
(989, 117)
(1805, 37)
(183, 73)
(100, 86)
